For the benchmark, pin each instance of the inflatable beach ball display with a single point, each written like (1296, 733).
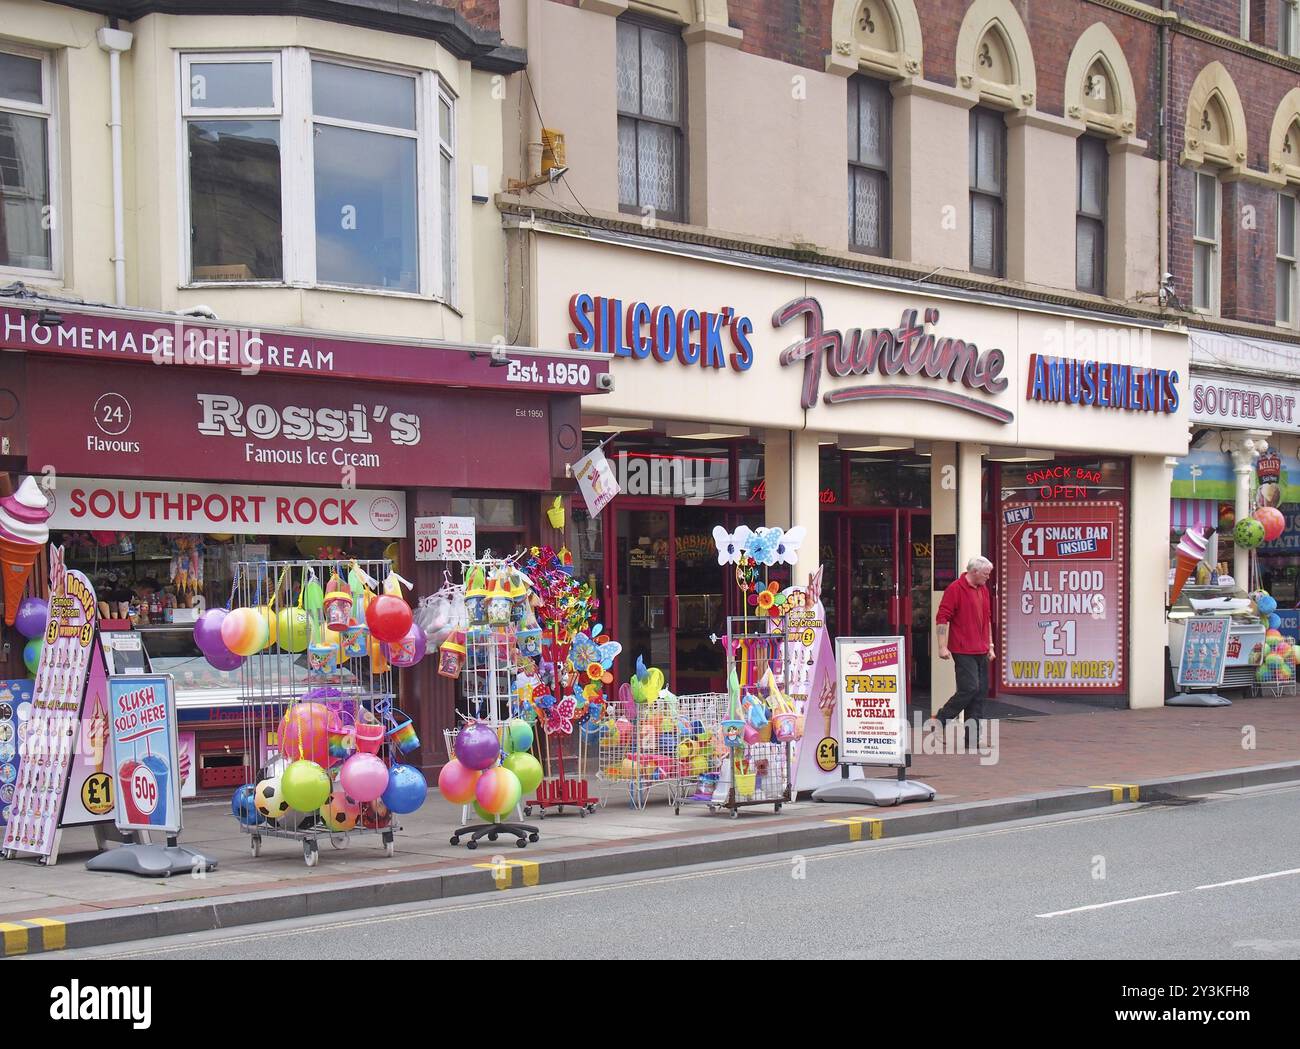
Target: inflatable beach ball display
(1249, 533)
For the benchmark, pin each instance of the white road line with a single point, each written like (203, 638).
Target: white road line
(1176, 892)
(1112, 903)
(1257, 877)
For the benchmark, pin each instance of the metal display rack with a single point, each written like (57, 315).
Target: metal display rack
(488, 679)
(674, 745)
(273, 680)
(756, 773)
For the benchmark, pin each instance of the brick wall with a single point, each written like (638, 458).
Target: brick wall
(1223, 15)
(486, 14)
(1248, 235)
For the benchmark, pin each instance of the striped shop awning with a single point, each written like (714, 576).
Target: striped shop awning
(1193, 513)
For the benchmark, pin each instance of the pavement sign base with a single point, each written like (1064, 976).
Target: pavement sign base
(151, 861)
(875, 792)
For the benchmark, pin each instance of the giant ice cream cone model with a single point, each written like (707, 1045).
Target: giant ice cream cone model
(23, 531)
(1190, 553)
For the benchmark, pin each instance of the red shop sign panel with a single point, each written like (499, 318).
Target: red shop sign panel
(102, 421)
(185, 344)
(1062, 590)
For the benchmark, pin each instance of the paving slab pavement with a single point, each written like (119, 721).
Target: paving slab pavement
(1045, 764)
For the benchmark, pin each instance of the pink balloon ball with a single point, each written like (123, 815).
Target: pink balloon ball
(1273, 520)
(364, 777)
(457, 783)
(304, 734)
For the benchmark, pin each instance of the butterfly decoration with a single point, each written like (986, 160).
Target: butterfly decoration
(762, 545)
(788, 543)
(731, 545)
(559, 718)
(594, 657)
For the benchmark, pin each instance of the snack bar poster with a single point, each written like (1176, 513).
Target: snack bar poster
(1061, 585)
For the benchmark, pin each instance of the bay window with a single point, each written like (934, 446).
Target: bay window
(361, 198)
(27, 142)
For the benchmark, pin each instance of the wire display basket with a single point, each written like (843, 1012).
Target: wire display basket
(670, 744)
(1277, 670)
(315, 692)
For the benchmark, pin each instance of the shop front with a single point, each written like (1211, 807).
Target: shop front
(163, 476)
(904, 431)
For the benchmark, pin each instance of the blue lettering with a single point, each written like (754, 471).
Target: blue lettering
(637, 319)
(664, 326)
(740, 333)
(688, 321)
(580, 309)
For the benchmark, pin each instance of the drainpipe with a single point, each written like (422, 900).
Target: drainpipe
(1162, 153)
(115, 41)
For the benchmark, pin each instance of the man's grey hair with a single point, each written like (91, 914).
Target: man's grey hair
(978, 563)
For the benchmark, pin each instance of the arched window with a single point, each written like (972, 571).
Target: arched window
(994, 58)
(877, 37)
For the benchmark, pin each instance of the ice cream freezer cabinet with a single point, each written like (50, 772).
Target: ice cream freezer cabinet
(1245, 650)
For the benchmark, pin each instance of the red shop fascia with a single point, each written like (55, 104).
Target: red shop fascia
(118, 394)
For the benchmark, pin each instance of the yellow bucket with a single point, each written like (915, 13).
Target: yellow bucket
(744, 783)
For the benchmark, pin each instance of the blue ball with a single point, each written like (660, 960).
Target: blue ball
(241, 805)
(1266, 603)
(407, 789)
(1274, 621)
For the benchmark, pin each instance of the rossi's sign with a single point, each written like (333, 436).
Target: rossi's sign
(195, 425)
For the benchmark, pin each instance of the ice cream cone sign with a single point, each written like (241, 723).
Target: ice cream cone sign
(23, 532)
(1190, 553)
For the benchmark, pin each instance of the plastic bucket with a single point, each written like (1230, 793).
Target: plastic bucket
(744, 783)
(784, 727)
(369, 737)
(402, 733)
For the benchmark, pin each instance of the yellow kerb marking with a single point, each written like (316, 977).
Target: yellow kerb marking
(15, 938)
(502, 873)
(532, 870)
(54, 933)
(875, 827)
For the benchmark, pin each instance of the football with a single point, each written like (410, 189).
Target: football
(268, 800)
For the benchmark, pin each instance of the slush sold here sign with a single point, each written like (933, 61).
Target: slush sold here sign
(444, 538)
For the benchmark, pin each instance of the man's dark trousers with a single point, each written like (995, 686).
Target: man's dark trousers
(972, 687)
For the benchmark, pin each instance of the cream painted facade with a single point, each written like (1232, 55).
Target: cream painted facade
(154, 191)
(766, 150)
(765, 400)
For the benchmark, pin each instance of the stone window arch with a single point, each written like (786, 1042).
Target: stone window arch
(994, 58)
(1215, 132)
(1099, 85)
(881, 37)
(1284, 139)
(705, 18)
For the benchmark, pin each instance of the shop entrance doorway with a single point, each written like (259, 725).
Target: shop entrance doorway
(876, 581)
(671, 595)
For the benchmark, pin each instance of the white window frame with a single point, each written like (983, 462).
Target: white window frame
(296, 113)
(1245, 19)
(1288, 30)
(445, 148)
(1215, 244)
(49, 110)
(1289, 260)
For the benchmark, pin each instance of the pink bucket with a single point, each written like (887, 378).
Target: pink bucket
(785, 727)
(369, 737)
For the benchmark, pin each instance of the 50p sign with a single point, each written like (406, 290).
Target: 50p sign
(444, 538)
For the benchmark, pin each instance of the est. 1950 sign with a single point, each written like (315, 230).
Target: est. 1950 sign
(444, 538)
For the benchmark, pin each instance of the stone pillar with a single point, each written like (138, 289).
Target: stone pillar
(930, 206)
(791, 473)
(1148, 581)
(943, 519)
(970, 464)
(1041, 204)
(1245, 446)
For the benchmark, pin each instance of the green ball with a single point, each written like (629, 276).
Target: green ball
(305, 786)
(527, 768)
(32, 653)
(518, 736)
(1249, 533)
(293, 629)
(483, 814)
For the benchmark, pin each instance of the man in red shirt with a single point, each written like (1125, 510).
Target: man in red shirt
(964, 628)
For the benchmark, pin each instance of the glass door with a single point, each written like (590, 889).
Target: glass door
(916, 604)
(645, 585)
(701, 601)
(872, 570)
